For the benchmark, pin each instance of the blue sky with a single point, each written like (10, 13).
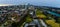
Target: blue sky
(53, 3)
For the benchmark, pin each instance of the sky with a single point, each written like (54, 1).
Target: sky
(52, 3)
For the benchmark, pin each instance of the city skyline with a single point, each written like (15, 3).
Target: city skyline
(51, 3)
